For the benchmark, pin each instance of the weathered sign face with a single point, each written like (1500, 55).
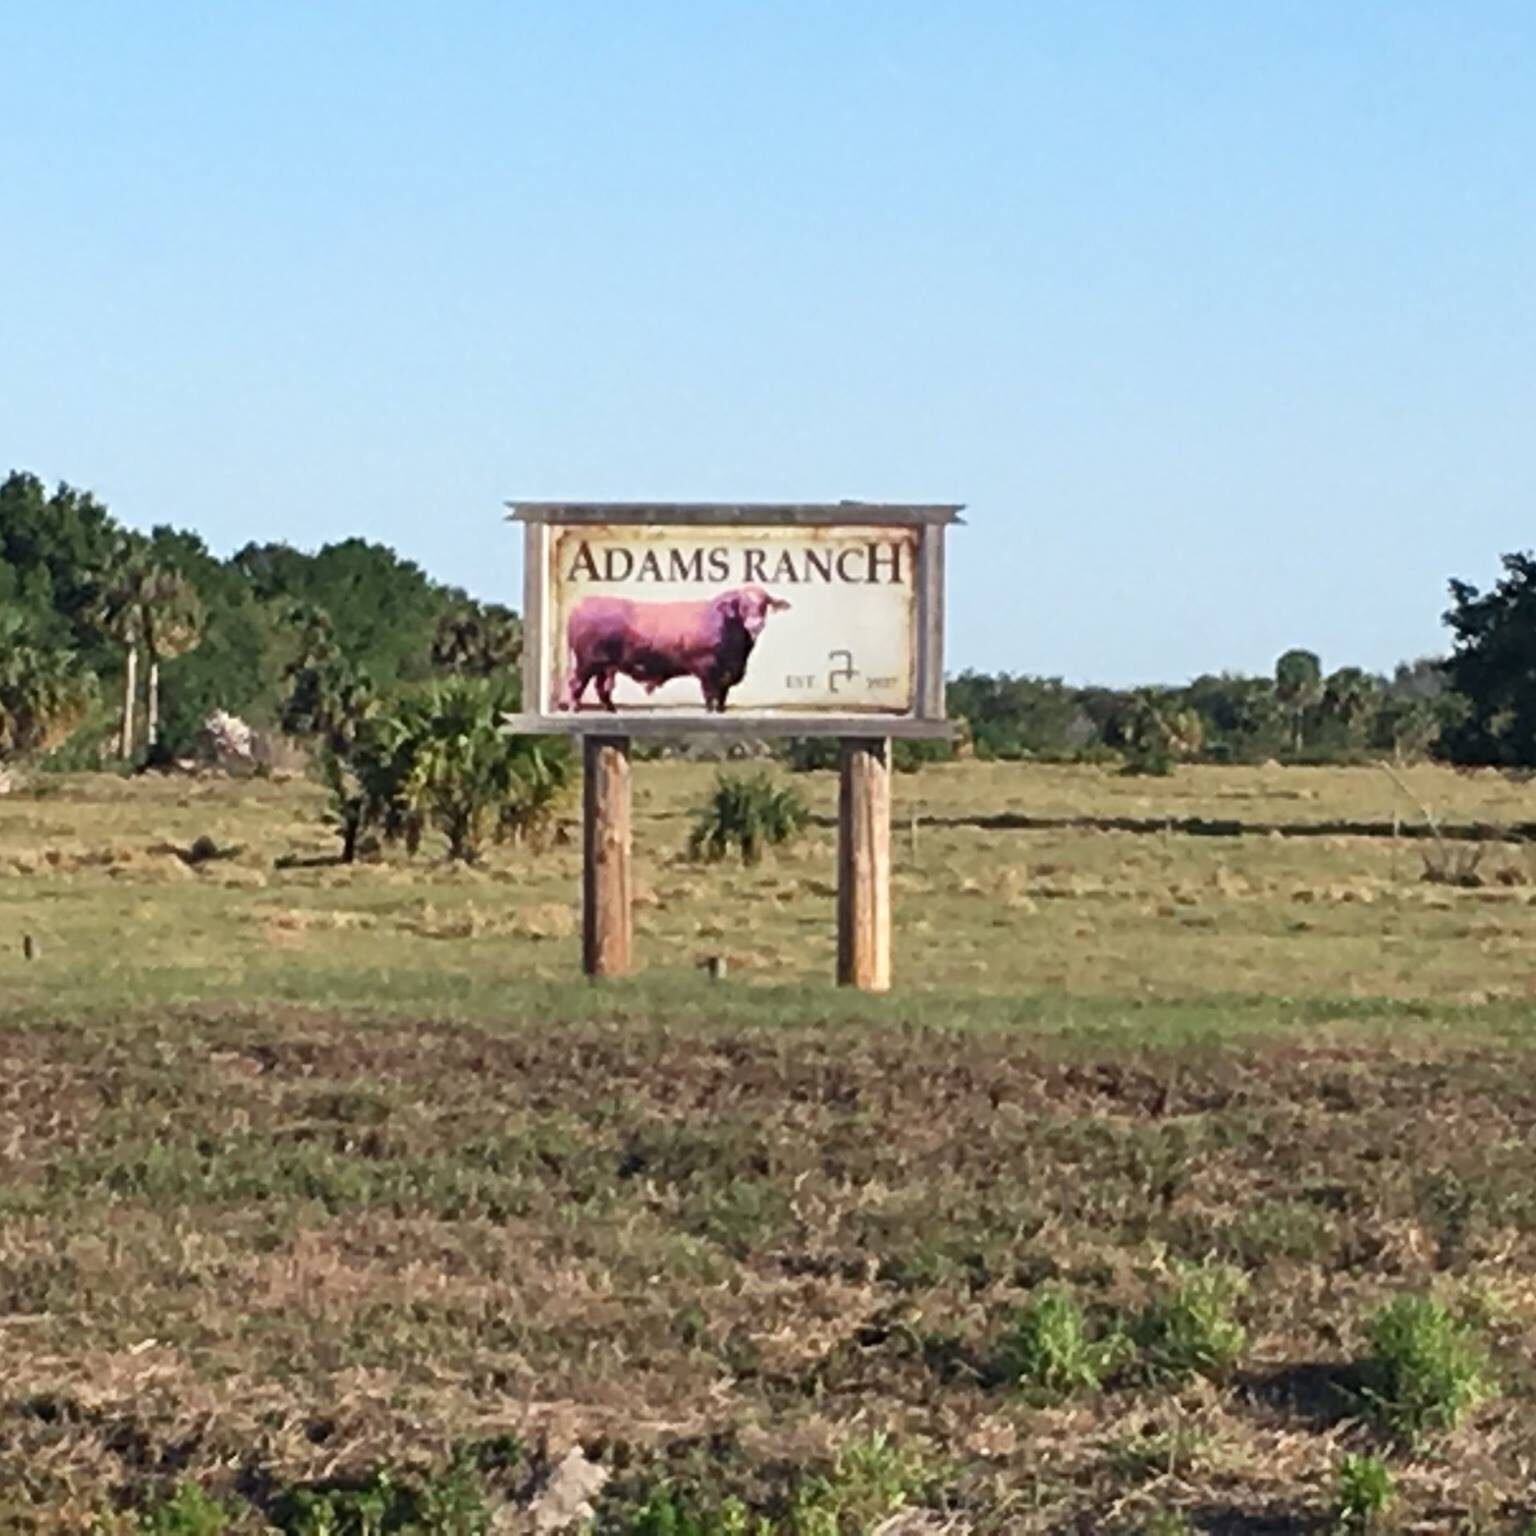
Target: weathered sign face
(788, 619)
(693, 620)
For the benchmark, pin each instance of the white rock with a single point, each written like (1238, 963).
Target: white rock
(566, 1499)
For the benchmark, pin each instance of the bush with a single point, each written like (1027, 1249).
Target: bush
(820, 754)
(450, 1503)
(1192, 1330)
(1427, 1369)
(748, 812)
(1050, 1350)
(811, 754)
(45, 693)
(909, 756)
(1147, 763)
(438, 759)
(1364, 1493)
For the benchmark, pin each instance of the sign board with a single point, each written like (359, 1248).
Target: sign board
(645, 620)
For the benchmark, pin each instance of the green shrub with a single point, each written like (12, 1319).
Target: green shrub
(187, 1511)
(872, 1478)
(1427, 1369)
(438, 759)
(670, 1513)
(1049, 1348)
(45, 692)
(1192, 1330)
(748, 812)
(821, 754)
(909, 756)
(369, 1510)
(1364, 1494)
(449, 1504)
(811, 754)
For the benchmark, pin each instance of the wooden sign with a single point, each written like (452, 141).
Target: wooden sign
(736, 620)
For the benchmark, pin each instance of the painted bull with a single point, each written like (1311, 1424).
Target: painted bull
(655, 642)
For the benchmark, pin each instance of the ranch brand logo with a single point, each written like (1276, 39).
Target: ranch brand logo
(691, 619)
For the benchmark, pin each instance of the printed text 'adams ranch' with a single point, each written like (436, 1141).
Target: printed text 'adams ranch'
(866, 563)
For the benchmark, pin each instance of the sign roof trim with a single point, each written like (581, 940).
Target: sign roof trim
(743, 513)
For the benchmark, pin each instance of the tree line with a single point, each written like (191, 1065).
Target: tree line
(119, 645)
(1300, 713)
(1474, 707)
(116, 645)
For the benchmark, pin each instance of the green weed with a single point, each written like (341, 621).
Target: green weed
(871, 1479)
(670, 1513)
(1051, 1351)
(1427, 1369)
(1169, 1452)
(1166, 1522)
(1364, 1493)
(1192, 1330)
(187, 1511)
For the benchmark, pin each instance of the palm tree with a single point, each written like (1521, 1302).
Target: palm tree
(142, 603)
(43, 692)
(118, 611)
(1350, 697)
(327, 696)
(172, 625)
(1298, 685)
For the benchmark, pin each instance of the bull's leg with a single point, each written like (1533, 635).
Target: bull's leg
(605, 682)
(576, 686)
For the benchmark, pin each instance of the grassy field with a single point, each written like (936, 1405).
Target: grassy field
(983, 916)
(308, 1172)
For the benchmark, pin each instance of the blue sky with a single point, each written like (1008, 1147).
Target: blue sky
(1220, 317)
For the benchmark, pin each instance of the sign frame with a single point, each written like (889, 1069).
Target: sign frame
(926, 719)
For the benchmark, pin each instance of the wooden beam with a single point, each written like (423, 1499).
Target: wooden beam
(817, 514)
(667, 726)
(535, 559)
(930, 635)
(864, 866)
(606, 926)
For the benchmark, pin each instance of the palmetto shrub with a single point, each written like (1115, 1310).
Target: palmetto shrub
(438, 760)
(748, 813)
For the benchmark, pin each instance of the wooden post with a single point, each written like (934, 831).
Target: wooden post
(605, 848)
(864, 866)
